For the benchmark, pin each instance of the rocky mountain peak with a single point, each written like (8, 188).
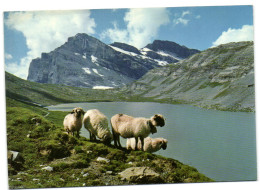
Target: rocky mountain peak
(126, 47)
(85, 61)
(171, 48)
(221, 77)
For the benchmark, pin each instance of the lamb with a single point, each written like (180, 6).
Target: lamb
(128, 127)
(97, 125)
(150, 144)
(73, 121)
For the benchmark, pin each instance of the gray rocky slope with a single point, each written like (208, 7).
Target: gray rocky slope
(221, 77)
(84, 61)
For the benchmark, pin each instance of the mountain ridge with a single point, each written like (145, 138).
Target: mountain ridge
(85, 61)
(220, 78)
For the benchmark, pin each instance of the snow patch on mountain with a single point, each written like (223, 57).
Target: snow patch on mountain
(169, 55)
(93, 59)
(87, 70)
(96, 71)
(161, 63)
(123, 51)
(102, 87)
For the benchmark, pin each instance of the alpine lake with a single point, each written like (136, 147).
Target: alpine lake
(220, 144)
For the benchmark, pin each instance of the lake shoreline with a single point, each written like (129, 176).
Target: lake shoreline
(50, 158)
(179, 107)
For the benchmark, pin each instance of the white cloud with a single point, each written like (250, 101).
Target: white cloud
(179, 18)
(198, 17)
(184, 18)
(8, 56)
(16, 69)
(185, 13)
(246, 33)
(115, 34)
(47, 30)
(181, 21)
(142, 26)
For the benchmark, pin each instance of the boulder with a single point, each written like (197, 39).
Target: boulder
(100, 159)
(48, 168)
(14, 156)
(142, 175)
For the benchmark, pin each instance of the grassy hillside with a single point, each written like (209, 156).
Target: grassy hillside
(50, 94)
(73, 162)
(217, 78)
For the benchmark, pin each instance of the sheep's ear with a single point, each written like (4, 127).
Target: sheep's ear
(156, 115)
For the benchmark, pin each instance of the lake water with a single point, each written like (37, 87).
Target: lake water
(221, 145)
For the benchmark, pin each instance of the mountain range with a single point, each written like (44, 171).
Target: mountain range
(221, 78)
(84, 61)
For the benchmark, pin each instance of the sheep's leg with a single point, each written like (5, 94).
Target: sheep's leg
(136, 143)
(118, 139)
(90, 136)
(77, 134)
(115, 137)
(142, 143)
(94, 137)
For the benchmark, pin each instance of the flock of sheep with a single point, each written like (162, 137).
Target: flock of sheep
(136, 130)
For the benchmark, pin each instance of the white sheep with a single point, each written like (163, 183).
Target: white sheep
(97, 125)
(128, 127)
(150, 144)
(73, 121)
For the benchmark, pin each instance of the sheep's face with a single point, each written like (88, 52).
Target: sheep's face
(107, 139)
(78, 112)
(152, 127)
(159, 120)
(164, 144)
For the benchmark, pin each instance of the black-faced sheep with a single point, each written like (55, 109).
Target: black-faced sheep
(128, 127)
(97, 125)
(150, 144)
(73, 121)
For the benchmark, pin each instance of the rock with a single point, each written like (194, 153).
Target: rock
(109, 172)
(140, 175)
(218, 78)
(100, 159)
(48, 168)
(188, 180)
(14, 156)
(171, 48)
(126, 47)
(84, 61)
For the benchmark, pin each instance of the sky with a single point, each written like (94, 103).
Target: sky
(200, 35)
(29, 33)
